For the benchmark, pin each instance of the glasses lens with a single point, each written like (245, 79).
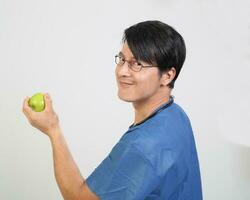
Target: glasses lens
(136, 67)
(118, 60)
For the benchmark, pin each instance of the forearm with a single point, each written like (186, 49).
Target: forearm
(67, 174)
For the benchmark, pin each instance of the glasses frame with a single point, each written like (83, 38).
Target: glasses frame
(130, 64)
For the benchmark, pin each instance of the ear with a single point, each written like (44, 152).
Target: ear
(168, 76)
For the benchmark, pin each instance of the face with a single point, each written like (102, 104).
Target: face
(136, 86)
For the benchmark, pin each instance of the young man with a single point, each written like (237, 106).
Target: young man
(156, 158)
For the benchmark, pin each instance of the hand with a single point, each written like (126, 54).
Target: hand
(46, 121)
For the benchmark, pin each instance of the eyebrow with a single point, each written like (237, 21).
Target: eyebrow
(121, 54)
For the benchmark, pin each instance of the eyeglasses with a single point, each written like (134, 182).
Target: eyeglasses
(132, 64)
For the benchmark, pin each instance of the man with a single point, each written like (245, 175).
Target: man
(156, 158)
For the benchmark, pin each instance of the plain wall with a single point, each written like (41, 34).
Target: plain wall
(67, 48)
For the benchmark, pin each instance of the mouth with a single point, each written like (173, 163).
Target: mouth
(125, 84)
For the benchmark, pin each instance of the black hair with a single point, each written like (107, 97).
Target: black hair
(157, 43)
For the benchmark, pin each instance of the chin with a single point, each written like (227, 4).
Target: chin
(125, 98)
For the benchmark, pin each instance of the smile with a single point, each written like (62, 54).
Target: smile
(124, 84)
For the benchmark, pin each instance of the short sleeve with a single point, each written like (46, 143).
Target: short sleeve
(124, 174)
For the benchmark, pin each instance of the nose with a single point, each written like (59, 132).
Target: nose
(123, 70)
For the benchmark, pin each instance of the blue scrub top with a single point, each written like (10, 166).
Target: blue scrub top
(155, 159)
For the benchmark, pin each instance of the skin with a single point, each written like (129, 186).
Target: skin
(146, 91)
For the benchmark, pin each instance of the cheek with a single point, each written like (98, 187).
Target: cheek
(116, 71)
(116, 74)
(147, 86)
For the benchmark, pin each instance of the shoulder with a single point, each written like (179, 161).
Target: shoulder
(166, 129)
(164, 137)
(175, 113)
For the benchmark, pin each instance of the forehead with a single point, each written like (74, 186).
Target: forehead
(126, 52)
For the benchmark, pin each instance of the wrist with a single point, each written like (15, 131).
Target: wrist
(54, 132)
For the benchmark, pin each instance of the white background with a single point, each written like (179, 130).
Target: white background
(67, 48)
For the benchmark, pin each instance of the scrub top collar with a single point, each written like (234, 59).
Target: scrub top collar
(157, 110)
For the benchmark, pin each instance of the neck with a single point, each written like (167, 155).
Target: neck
(145, 107)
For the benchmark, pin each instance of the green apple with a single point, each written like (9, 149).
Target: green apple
(36, 102)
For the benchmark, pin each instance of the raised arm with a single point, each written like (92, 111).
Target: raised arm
(69, 179)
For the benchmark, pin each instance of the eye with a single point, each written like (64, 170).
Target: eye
(138, 63)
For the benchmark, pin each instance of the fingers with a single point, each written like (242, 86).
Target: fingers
(26, 108)
(48, 102)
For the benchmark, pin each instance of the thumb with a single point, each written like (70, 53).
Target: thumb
(26, 108)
